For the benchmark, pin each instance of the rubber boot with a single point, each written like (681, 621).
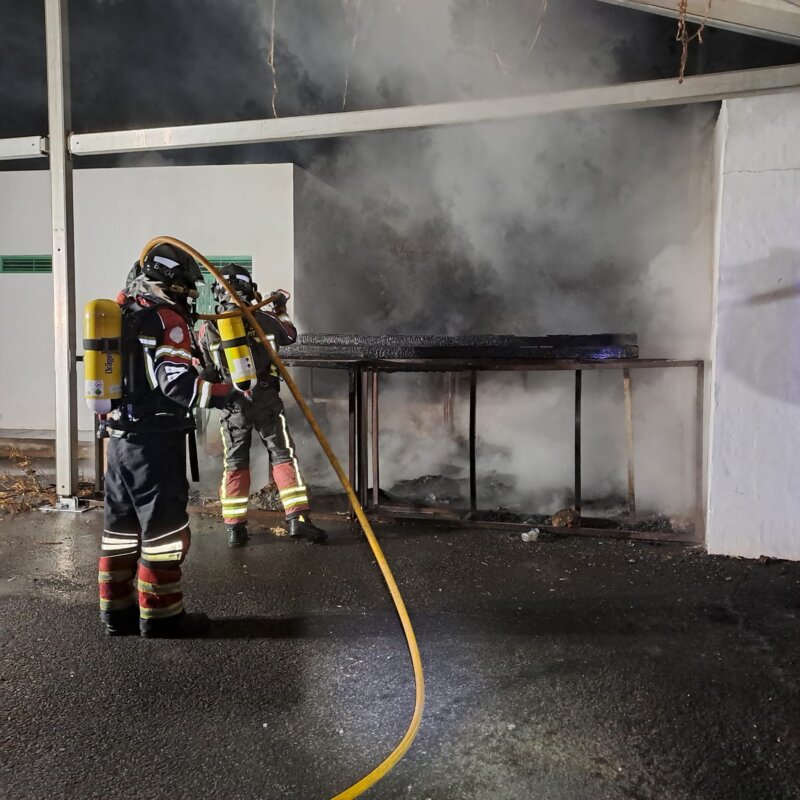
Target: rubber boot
(122, 623)
(181, 626)
(301, 527)
(237, 535)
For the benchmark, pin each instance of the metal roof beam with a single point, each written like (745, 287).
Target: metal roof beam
(768, 19)
(23, 147)
(646, 94)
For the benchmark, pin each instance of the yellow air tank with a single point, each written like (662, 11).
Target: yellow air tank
(102, 359)
(237, 351)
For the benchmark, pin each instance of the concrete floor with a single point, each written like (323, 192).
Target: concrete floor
(563, 670)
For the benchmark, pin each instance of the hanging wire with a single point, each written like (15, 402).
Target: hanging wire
(507, 68)
(271, 60)
(683, 33)
(356, 6)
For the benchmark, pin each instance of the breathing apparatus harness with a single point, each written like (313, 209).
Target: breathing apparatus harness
(119, 346)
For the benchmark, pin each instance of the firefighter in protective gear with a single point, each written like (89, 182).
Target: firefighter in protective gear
(146, 534)
(260, 409)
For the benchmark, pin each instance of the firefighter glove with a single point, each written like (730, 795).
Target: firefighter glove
(279, 304)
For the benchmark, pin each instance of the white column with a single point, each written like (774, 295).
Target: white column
(58, 102)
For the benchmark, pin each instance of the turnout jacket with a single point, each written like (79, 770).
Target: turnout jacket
(278, 328)
(161, 385)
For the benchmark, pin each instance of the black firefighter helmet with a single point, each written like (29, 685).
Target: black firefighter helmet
(174, 270)
(240, 281)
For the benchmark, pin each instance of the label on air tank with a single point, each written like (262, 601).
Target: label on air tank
(242, 369)
(93, 389)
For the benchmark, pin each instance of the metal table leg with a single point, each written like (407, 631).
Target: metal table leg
(352, 431)
(700, 517)
(362, 401)
(376, 502)
(449, 379)
(628, 390)
(578, 391)
(473, 482)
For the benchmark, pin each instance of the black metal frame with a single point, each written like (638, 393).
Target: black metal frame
(364, 403)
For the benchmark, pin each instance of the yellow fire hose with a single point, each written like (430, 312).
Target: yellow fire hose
(419, 702)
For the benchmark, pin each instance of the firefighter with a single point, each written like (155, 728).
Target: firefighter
(260, 409)
(146, 524)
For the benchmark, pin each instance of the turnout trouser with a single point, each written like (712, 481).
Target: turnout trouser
(264, 413)
(146, 534)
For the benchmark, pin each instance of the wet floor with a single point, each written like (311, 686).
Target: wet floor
(564, 670)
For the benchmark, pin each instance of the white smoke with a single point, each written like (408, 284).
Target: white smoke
(590, 223)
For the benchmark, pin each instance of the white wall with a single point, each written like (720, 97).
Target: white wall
(241, 209)
(26, 305)
(754, 464)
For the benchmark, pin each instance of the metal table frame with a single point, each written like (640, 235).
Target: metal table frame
(364, 438)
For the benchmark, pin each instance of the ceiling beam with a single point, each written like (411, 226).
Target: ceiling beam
(646, 94)
(769, 19)
(23, 147)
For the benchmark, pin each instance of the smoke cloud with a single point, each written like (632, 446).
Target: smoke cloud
(586, 223)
